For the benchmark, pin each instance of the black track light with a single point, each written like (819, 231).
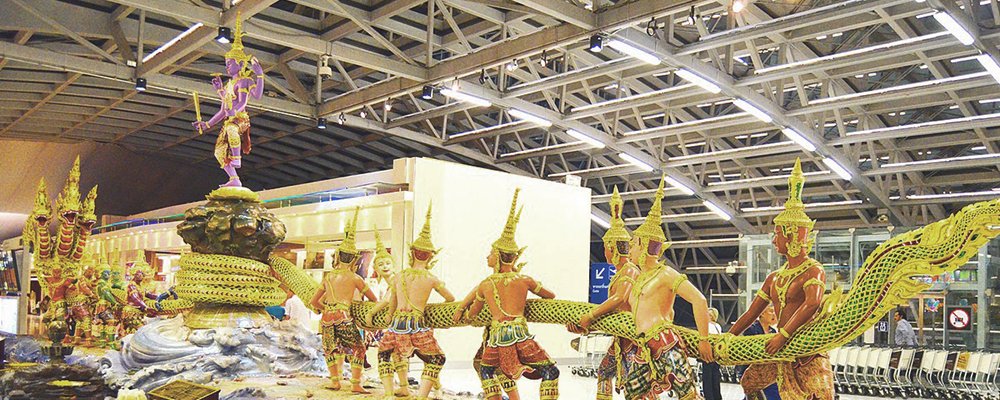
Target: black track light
(140, 84)
(428, 92)
(224, 36)
(321, 123)
(596, 43)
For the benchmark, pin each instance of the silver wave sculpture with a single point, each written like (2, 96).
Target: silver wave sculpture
(164, 350)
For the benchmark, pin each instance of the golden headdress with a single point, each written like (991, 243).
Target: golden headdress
(652, 227)
(794, 214)
(617, 232)
(506, 242)
(140, 265)
(381, 253)
(236, 48)
(423, 241)
(42, 206)
(348, 245)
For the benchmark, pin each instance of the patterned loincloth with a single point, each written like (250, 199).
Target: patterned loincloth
(618, 362)
(517, 358)
(405, 344)
(342, 337)
(805, 378)
(662, 367)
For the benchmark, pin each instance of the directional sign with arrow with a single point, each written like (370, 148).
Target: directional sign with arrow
(600, 279)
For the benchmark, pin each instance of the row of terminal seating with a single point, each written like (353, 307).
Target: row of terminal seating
(911, 372)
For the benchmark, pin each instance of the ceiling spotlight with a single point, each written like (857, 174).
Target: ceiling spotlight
(512, 65)
(341, 119)
(739, 5)
(324, 69)
(224, 36)
(482, 77)
(428, 92)
(364, 114)
(321, 123)
(596, 43)
(387, 106)
(140, 84)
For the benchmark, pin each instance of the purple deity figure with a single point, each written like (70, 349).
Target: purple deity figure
(246, 80)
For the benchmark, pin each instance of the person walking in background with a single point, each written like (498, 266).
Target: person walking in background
(711, 374)
(764, 324)
(905, 336)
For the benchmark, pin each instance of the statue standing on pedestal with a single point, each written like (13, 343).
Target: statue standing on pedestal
(408, 334)
(509, 349)
(246, 80)
(662, 365)
(341, 335)
(622, 354)
(796, 290)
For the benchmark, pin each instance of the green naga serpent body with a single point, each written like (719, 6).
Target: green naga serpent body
(884, 281)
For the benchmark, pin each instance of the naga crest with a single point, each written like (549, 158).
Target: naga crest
(68, 203)
(87, 217)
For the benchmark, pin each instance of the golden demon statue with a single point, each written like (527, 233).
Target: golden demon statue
(796, 291)
(509, 349)
(408, 334)
(341, 336)
(623, 353)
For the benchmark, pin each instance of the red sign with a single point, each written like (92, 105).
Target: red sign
(960, 318)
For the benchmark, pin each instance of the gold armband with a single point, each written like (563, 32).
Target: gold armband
(680, 280)
(814, 281)
(479, 296)
(538, 286)
(762, 294)
(783, 332)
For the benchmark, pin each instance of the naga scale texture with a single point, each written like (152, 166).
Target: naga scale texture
(885, 280)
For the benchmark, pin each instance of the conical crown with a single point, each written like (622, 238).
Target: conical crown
(87, 213)
(423, 241)
(140, 264)
(381, 253)
(617, 232)
(506, 242)
(794, 213)
(69, 198)
(349, 244)
(236, 49)
(652, 227)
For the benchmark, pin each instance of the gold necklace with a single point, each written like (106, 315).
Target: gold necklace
(785, 276)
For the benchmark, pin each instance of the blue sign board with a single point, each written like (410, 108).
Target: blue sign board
(600, 279)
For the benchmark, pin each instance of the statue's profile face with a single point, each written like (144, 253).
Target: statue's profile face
(780, 241)
(138, 276)
(492, 259)
(609, 252)
(232, 67)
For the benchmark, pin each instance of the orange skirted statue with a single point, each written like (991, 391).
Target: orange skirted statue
(796, 291)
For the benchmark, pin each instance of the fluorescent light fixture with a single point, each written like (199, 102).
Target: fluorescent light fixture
(752, 110)
(990, 65)
(851, 53)
(529, 117)
(680, 186)
(600, 221)
(810, 205)
(468, 98)
(172, 41)
(942, 160)
(717, 210)
(585, 138)
(837, 168)
(699, 81)
(800, 140)
(636, 162)
(950, 195)
(633, 51)
(956, 29)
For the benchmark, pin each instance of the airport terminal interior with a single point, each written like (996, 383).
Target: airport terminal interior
(500, 199)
